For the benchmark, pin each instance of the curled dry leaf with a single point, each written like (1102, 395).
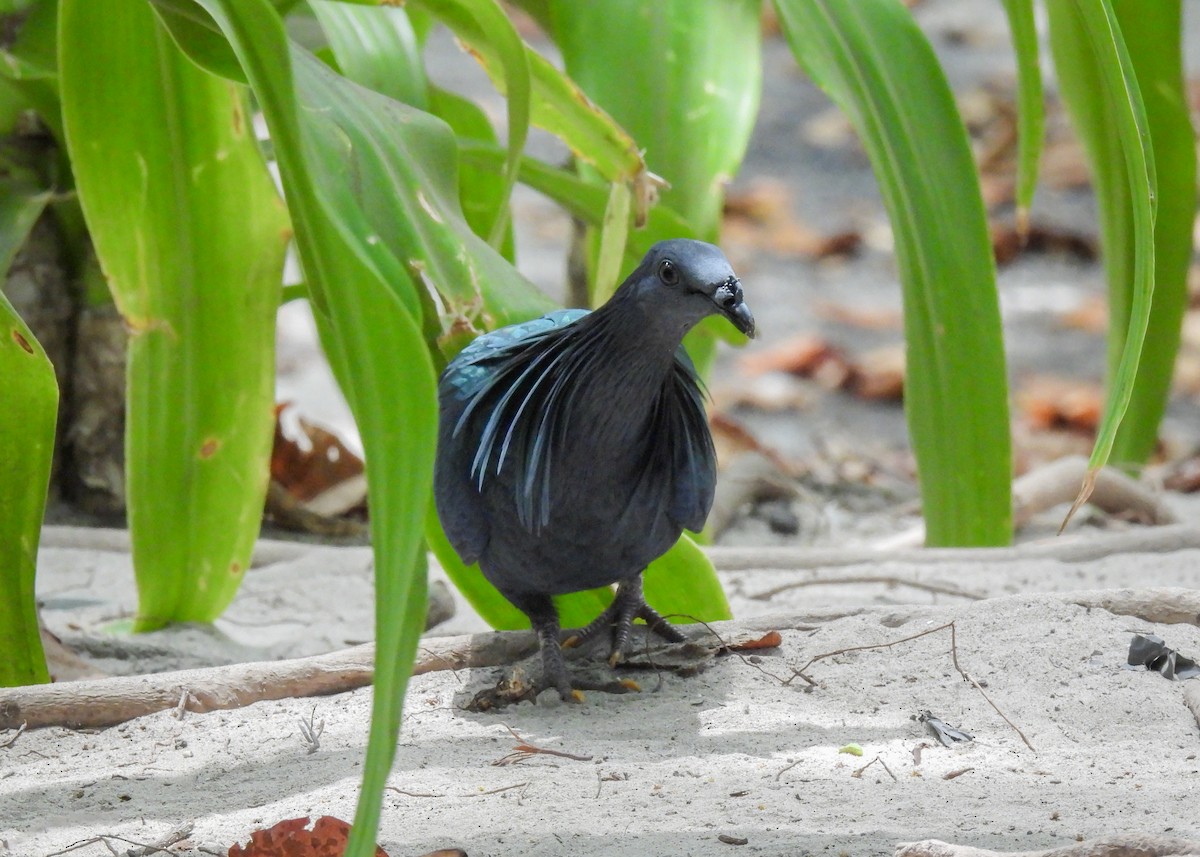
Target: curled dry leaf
(876, 375)
(1057, 403)
(769, 640)
(1008, 243)
(760, 216)
(314, 467)
(869, 318)
(292, 838)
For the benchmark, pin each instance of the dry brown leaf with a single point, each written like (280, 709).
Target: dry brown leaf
(769, 640)
(868, 318)
(760, 216)
(292, 838)
(314, 466)
(1090, 316)
(1008, 243)
(1063, 166)
(1058, 403)
(877, 375)
(1184, 477)
(800, 355)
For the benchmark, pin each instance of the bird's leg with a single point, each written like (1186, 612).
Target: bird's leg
(629, 604)
(544, 618)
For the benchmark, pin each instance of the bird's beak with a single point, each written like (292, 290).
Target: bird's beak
(741, 318)
(728, 298)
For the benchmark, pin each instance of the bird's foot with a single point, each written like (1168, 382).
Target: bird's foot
(628, 605)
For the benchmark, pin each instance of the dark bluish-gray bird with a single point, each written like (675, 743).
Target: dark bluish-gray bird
(574, 449)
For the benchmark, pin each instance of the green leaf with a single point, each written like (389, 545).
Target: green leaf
(480, 191)
(557, 104)
(683, 77)
(1099, 84)
(191, 236)
(30, 64)
(700, 597)
(583, 199)
(28, 411)
(376, 47)
(1031, 118)
(871, 58)
(21, 204)
(488, 24)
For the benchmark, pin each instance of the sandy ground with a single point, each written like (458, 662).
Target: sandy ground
(733, 751)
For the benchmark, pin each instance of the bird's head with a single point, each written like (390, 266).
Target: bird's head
(688, 280)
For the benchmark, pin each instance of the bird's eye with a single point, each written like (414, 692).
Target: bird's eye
(667, 272)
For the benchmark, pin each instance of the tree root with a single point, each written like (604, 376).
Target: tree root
(1166, 605)
(1120, 845)
(1191, 698)
(1068, 548)
(1114, 492)
(97, 703)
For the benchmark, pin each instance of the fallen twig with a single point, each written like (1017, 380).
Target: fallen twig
(525, 750)
(13, 739)
(859, 772)
(800, 673)
(1121, 845)
(967, 678)
(140, 849)
(1171, 537)
(468, 794)
(890, 580)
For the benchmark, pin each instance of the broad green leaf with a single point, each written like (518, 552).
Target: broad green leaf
(557, 104)
(683, 77)
(29, 64)
(1151, 36)
(613, 237)
(481, 192)
(21, 204)
(28, 411)
(199, 37)
(871, 58)
(702, 598)
(1100, 86)
(489, 25)
(376, 47)
(191, 236)
(1031, 117)
(583, 199)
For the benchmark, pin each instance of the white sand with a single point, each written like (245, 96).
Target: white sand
(731, 751)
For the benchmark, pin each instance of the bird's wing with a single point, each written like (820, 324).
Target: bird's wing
(483, 394)
(693, 460)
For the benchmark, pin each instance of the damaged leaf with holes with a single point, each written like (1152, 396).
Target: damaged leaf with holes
(191, 235)
(28, 412)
